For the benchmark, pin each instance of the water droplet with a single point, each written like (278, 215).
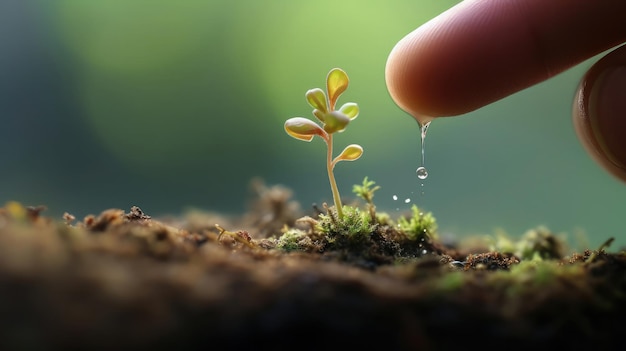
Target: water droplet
(423, 130)
(406, 201)
(395, 198)
(422, 173)
(423, 119)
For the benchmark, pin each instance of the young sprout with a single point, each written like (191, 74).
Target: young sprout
(366, 192)
(333, 121)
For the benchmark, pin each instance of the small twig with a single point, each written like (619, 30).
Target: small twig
(308, 220)
(595, 254)
(241, 236)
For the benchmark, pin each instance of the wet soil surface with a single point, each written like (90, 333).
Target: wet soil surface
(122, 280)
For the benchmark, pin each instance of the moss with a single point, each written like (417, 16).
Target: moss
(535, 244)
(294, 240)
(353, 229)
(419, 225)
(383, 218)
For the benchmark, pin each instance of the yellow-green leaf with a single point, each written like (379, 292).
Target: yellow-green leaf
(350, 109)
(303, 128)
(335, 121)
(336, 83)
(321, 115)
(317, 99)
(350, 153)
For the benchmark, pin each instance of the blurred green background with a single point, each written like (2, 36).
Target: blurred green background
(169, 105)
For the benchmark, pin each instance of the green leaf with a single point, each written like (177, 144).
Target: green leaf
(336, 83)
(350, 153)
(317, 99)
(335, 121)
(350, 109)
(303, 129)
(321, 115)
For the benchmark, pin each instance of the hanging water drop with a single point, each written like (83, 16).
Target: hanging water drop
(423, 130)
(422, 173)
(423, 119)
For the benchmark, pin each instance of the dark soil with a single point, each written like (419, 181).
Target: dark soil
(121, 280)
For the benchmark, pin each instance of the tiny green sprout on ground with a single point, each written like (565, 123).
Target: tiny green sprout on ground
(333, 121)
(366, 192)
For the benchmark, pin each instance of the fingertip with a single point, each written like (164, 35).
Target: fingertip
(599, 112)
(480, 51)
(415, 72)
(457, 62)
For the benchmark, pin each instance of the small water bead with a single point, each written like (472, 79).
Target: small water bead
(406, 201)
(422, 173)
(395, 198)
(424, 123)
(423, 119)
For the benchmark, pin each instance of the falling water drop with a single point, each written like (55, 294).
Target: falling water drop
(422, 173)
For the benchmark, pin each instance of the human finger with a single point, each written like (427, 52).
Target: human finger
(600, 112)
(480, 51)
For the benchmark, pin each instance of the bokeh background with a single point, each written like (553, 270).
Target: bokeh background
(171, 105)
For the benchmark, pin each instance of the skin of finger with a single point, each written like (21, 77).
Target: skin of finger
(603, 137)
(480, 51)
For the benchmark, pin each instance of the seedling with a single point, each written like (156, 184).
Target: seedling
(366, 192)
(333, 121)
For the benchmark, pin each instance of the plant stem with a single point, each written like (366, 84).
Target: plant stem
(331, 177)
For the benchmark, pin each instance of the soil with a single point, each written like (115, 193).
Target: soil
(122, 280)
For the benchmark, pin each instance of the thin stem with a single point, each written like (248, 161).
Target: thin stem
(331, 176)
